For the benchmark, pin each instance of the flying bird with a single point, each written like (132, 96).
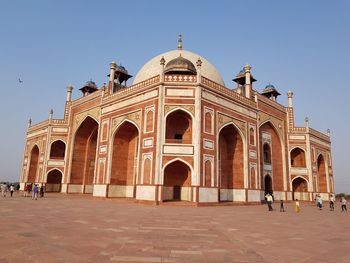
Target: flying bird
(20, 81)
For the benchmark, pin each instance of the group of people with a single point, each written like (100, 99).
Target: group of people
(6, 188)
(318, 199)
(36, 191)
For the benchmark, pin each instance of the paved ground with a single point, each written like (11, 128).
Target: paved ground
(77, 228)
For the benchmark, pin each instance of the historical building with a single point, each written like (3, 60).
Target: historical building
(178, 133)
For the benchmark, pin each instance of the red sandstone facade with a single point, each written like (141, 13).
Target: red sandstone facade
(178, 134)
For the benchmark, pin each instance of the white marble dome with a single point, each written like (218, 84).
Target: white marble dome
(153, 67)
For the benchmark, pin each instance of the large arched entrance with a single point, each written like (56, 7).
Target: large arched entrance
(231, 162)
(33, 165)
(177, 182)
(178, 127)
(268, 184)
(124, 161)
(84, 154)
(53, 181)
(321, 171)
(300, 191)
(271, 158)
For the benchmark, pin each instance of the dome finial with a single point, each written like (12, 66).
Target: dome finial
(179, 42)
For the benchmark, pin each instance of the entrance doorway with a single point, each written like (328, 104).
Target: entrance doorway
(177, 182)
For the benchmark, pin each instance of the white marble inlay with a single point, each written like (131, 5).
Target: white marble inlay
(180, 92)
(174, 149)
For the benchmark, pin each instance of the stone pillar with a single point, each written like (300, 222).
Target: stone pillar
(50, 114)
(290, 99)
(112, 68)
(248, 84)
(307, 124)
(69, 92)
(29, 123)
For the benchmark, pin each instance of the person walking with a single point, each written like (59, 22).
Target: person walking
(269, 201)
(12, 189)
(282, 207)
(319, 201)
(42, 190)
(297, 206)
(331, 202)
(3, 190)
(29, 189)
(35, 192)
(343, 204)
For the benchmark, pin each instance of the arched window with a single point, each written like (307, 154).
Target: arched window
(58, 149)
(149, 121)
(208, 122)
(251, 136)
(267, 154)
(297, 158)
(178, 127)
(207, 166)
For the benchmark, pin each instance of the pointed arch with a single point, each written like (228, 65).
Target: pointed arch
(321, 174)
(53, 180)
(177, 180)
(297, 157)
(276, 168)
(179, 126)
(268, 184)
(84, 152)
(231, 160)
(57, 149)
(300, 188)
(33, 164)
(124, 154)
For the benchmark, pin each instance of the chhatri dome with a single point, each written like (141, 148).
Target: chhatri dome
(173, 57)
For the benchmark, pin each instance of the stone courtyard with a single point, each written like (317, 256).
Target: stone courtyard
(77, 228)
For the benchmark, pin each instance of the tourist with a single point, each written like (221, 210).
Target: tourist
(35, 192)
(3, 189)
(269, 201)
(343, 204)
(42, 190)
(319, 201)
(331, 202)
(12, 189)
(282, 207)
(297, 206)
(25, 190)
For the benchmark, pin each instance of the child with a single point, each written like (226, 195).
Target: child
(282, 207)
(343, 204)
(297, 206)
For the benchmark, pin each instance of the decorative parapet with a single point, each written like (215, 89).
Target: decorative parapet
(180, 78)
(298, 129)
(132, 89)
(272, 103)
(319, 135)
(38, 126)
(58, 121)
(86, 98)
(228, 92)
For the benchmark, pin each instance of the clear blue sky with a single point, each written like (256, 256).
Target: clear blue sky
(301, 46)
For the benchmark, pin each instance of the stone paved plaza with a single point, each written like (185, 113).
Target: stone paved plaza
(76, 228)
